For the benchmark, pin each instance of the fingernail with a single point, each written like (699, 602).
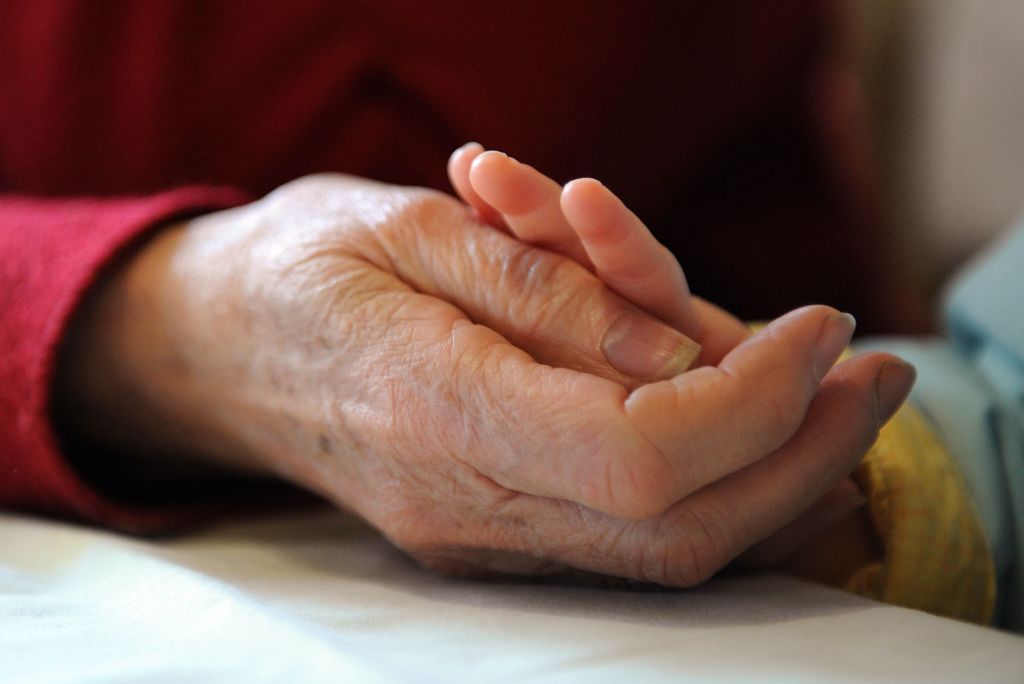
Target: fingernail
(641, 347)
(835, 334)
(892, 385)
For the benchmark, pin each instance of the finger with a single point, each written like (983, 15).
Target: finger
(557, 433)
(543, 303)
(837, 504)
(702, 533)
(715, 420)
(857, 398)
(636, 457)
(529, 203)
(626, 256)
(538, 211)
(458, 175)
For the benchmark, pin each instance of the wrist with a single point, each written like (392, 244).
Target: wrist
(125, 399)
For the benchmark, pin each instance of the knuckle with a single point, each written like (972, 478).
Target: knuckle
(698, 544)
(313, 188)
(672, 565)
(425, 207)
(304, 184)
(540, 285)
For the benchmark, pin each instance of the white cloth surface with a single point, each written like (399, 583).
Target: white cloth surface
(317, 596)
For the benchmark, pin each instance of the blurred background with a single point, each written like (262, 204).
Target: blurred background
(735, 130)
(944, 83)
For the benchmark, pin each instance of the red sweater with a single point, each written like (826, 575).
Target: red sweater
(708, 118)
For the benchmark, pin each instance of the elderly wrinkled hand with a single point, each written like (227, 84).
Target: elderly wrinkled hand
(488, 405)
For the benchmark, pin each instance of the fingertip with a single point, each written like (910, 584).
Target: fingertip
(460, 165)
(833, 338)
(893, 383)
(458, 170)
(596, 214)
(460, 151)
(825, 331)
(818, 312)
(515, 189)
(806, 322)
(487, 161)
(484, 170)
(579, 196)
(796, 332)
(582, 185)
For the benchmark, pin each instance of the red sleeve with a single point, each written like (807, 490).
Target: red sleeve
(50, 252)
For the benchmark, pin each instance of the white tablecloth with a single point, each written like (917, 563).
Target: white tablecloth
(317, 596)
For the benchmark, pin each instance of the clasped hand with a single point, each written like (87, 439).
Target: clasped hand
(511, 397)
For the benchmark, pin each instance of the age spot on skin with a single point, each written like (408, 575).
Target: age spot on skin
(325, 444)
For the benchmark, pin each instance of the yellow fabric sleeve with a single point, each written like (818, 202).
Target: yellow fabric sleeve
(934, 555)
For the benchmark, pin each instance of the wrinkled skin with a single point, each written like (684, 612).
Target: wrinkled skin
(445, 381)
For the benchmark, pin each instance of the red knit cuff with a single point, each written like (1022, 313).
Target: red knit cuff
(51, 252)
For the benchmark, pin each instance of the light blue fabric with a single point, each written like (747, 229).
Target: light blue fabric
(971, 386)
